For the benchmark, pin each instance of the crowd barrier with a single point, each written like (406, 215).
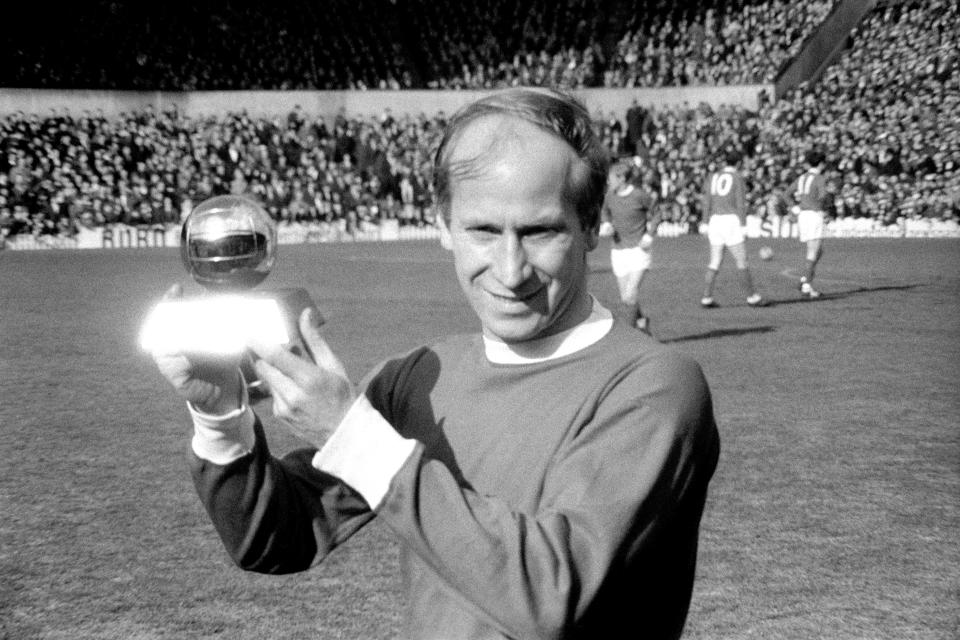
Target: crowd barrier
(784, 227)
(120, 236)
(199, 104)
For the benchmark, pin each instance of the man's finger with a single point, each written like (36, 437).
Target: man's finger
(289, 364)
(313, 315)
(310, 323)
(277, 382)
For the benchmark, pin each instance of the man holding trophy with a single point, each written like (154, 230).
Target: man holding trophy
(545, 476)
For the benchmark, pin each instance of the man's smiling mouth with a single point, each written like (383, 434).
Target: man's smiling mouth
(515, 297)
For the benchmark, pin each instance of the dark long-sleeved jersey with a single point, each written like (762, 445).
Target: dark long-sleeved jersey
(560, 497)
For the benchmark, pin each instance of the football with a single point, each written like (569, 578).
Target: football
(765, 253)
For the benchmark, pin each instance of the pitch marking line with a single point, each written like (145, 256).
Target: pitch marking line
(794, 274)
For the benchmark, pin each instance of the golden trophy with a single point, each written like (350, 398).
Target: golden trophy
(228, 244)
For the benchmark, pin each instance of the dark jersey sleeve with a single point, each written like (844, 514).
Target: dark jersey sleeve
(277, 515)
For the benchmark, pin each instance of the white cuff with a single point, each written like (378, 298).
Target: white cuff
(223, 439)
(365, 451)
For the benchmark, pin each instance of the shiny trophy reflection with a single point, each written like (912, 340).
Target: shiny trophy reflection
(228, 244)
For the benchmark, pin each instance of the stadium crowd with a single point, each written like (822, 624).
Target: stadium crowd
(671, 44)
(151, 167)
(883, 115)
(415, 43)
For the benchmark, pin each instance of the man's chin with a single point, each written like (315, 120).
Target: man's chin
(515, 330)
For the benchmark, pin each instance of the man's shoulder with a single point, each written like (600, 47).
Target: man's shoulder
(421, 365)
(654, 374)
(638, 351)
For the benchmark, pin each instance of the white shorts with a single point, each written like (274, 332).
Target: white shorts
(630, 260)
(810, 225)
(725, 230)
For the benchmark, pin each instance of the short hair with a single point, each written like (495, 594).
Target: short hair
(814, 157)
(553, 111)
(731, 156)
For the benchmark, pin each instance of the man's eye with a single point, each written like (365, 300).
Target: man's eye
(483, 231)
(541, 233)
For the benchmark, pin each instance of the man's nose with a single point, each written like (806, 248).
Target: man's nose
(510, 261)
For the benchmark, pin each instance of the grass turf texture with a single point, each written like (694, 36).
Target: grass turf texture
(835, 512)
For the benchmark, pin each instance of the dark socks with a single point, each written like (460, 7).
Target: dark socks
(746, 281)
(630, 312)
(709, 278)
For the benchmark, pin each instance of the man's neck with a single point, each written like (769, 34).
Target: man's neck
(596, 325)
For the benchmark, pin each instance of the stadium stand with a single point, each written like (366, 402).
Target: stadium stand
(148, 167)
(498, 44)
(883, 113)
(366, 44)
(217, 45)
(715, 42)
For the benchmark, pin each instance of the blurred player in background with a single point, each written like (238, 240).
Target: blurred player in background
(808, 195)
(629, 208)
(544, 476)
(725, 209)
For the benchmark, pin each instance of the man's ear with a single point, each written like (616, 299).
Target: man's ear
(445, 240)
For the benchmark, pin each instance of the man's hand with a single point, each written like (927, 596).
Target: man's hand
(310, 398)
(212, 384)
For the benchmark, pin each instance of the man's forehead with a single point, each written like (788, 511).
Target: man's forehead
(497, 134)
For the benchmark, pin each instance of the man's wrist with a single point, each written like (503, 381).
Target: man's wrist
(365, 451)
(223, 436)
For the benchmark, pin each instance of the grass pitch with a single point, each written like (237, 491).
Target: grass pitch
(834, 513)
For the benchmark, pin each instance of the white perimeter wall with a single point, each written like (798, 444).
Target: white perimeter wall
(354, 103)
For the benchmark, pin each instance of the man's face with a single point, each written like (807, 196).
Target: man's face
(616, 180)
(519, 249)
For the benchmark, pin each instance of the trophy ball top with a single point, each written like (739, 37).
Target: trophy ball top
(228, 243)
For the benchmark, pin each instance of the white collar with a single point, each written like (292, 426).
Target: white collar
(597, 325)
(626, 190)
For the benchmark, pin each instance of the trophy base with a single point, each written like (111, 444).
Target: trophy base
(227, 324)
(291, 302)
